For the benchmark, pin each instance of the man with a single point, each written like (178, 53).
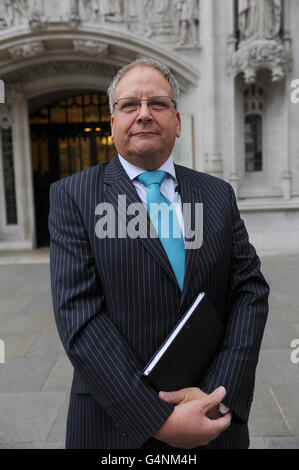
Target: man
(117, 298)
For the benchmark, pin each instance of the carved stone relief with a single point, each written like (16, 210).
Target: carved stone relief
(18, 12)
(91, 47)
(27, 50)
(12, 12)
(56, 68)
(171, 21)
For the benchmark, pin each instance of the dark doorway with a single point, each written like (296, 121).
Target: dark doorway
(67, 136)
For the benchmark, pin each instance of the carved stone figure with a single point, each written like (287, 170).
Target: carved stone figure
(19, 11)
(91, 9)
(143, 11)
(111, 10)
(36, 12)
(5, 14)
(259, 19)
(260, 44)
(187, 21)
(161, 9)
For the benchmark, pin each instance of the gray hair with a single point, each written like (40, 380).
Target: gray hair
(152, 63)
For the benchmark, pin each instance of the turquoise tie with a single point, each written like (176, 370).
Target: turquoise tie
(165, 223)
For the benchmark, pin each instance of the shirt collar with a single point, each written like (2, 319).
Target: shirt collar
(134, 171)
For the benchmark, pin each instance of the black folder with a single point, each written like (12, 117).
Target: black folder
(184, 357)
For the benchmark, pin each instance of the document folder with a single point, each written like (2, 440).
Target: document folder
(185, 355)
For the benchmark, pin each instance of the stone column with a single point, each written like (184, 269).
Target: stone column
(74, 13)
(233, 177)
(209, 90)
(23, 167)
(6, 121)
(287, 172)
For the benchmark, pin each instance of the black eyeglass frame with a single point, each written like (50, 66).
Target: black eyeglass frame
(140, 100)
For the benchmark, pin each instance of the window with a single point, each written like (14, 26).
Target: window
(9, 177)
(253, 143)
(253, 120)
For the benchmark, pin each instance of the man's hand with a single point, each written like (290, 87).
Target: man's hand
(189, 394)
(188, 426)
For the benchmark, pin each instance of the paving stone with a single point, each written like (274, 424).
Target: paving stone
(16, 323)
(284, 314)
(288, 401)
(27, 322)
(11, 306)
(47, 342)
(6, 289)
(42, 321)
(28, 417)
(34, 445)
(58, 430)
(37, 256)
(278, 335)
(282, 443)
(275, 367)
(257, 443)
(38, 304)
(18, 344)
(61, 375)
(265, 418)
(25, 374)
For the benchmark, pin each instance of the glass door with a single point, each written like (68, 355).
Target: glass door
(68, 136)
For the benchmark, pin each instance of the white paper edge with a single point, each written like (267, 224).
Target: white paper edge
(174, 333)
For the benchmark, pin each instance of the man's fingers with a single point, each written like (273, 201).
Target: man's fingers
(221, 424)
(173, 397)
(214, 398)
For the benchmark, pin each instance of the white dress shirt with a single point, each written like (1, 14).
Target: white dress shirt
(167, 187)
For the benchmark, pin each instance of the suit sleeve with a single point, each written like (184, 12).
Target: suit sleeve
(247, 310)
(93, 344)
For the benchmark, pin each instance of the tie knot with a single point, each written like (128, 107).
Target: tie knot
(150, 177)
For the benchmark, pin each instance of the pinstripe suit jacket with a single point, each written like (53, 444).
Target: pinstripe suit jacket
(115, 300)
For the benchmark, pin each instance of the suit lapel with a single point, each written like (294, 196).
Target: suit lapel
(117, 183)
(189, 194)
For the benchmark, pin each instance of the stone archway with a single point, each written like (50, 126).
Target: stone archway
(28, 91)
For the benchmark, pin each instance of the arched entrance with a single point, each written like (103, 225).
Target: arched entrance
(67, 136)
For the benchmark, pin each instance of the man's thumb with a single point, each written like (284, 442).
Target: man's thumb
(172, 397)
(215, 397)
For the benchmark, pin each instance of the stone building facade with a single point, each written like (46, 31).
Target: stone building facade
(235, 61)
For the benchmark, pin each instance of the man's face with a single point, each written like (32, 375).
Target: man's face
(145, 138)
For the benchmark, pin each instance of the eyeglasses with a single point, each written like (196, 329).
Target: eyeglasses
(155, 103)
